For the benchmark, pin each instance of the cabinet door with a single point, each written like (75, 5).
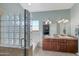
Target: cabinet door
(72, 46)
(55, 45)
(62, 45)
(47, 44)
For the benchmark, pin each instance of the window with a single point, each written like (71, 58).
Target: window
(35, 25)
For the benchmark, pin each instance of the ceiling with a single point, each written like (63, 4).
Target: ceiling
(37, 7)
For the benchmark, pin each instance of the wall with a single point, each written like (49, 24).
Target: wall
(52, 15)
(74, 19)
(11, 8)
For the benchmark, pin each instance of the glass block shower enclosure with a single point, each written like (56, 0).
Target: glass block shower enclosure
(15, 33)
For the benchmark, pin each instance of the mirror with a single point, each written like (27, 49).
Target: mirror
(63, 27)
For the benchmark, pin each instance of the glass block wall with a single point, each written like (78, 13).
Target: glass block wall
(12, 30)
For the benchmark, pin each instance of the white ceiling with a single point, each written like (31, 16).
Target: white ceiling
(37, 7)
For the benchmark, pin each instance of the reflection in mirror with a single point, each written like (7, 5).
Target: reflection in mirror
(63, 27)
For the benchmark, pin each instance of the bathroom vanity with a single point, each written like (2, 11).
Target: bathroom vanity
(60, 43)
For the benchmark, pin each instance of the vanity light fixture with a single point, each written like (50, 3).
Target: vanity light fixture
(65, 21)
(60, 21)
(48, 22)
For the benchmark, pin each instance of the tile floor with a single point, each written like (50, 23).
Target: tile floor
(40, 52)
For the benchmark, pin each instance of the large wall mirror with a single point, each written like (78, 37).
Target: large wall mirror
(64, 27)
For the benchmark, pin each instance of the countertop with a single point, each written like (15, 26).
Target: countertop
(60, 37)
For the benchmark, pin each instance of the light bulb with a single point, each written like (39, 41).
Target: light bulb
(60, 21)
(66, 21)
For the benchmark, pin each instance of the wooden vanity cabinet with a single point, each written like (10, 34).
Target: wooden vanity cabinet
(55, 45)
(62, 45)
(47, 44)
(72, 46)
